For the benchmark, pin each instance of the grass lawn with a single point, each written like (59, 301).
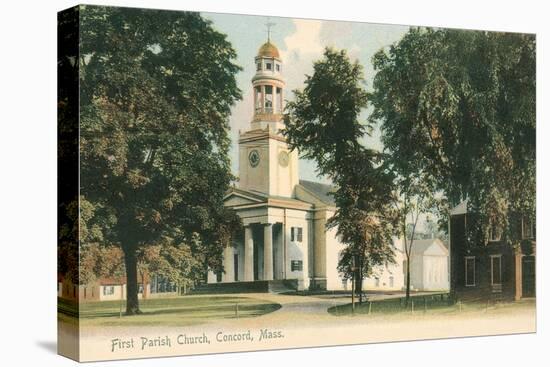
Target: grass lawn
(177, 311)
(432, 305)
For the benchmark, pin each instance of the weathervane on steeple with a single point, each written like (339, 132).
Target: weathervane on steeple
(269, 25)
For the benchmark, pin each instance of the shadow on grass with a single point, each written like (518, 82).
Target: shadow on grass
(180, 311)
(440, 303)
(197, 312)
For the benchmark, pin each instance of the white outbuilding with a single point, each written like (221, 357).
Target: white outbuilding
(429, 265)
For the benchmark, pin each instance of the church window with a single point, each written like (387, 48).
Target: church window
(259, 66)
(258, 98)
(269, 98)
(296, 234)
(277, 67)
(268, 65)
(296, 265)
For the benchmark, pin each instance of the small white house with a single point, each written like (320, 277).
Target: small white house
(429, 265)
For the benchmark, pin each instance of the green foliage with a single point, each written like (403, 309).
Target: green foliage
(323, 124)
(156, 92)
(365, 217)
(67, 143)
(174, 262)
(459, 107)
(99, 261)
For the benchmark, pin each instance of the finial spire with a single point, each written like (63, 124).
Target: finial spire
(269, 25)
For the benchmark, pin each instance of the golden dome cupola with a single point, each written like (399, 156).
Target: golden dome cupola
(268, 85)
(268, 49)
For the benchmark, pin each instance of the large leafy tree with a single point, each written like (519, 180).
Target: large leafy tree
(67, 147)
(366, 218)
(323, 123)
(460, 106)
(156, 92)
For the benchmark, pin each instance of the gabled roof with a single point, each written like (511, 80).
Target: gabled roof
(239, 198)
(461, 208)
(252, 195)
(419, 247)
(320, 191)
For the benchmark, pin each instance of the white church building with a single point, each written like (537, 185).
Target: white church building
(285, 235)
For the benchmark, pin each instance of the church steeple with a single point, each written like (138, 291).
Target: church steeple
(268, 86)
(266, 164)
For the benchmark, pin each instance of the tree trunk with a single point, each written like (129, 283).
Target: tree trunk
(353, 284)
(353, 295)
(130, 260)
(408, 287)
(359, 280)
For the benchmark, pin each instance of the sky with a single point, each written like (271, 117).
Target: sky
(300, 43)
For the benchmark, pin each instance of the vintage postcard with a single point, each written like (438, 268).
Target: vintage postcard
(238, 183)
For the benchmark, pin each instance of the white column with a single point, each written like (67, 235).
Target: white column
(268, 251)
(228, 266)
(255, 98)
(286, 240)
(274, 101)
(263, 99)
(282, 99)
(248, 254)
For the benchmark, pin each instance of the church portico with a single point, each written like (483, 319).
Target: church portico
(274, 243)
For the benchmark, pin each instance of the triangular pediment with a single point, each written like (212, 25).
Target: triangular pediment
(237, 197)
(437, 249)
(429, 247)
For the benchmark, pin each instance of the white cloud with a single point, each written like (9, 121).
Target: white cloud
(300, 49)
(306, 38)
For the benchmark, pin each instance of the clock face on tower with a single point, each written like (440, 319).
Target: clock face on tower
(283, 158)
(254, 158)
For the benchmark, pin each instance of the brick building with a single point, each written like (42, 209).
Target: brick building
(493, 269)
